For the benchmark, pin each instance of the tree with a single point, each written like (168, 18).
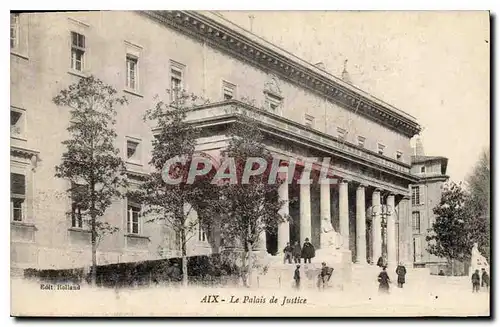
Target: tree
(479, 203)
(251, 207)
(450, 238)
(173, 203)
(91, 162)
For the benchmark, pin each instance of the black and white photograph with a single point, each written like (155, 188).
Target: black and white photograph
(187, 163)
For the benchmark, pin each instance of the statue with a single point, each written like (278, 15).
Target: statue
(477, 260)
(329, 237)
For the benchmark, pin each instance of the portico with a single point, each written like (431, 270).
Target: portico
(366, 218)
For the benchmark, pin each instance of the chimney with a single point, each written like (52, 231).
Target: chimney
(345, 75)
(320, 65)
(419, 147)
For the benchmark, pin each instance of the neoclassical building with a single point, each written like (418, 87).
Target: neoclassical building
(304, 111)
(425, 196)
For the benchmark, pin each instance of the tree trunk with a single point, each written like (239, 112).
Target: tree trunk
(94, 253)
(184, 259)
(243, 272)
(249, 253)
(249, 265)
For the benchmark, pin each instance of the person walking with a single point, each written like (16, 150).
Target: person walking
(296, 251)
(308, 251)
(288, 253)
(324, 275)
(296, 277)
(475, 281)
(401, 272)
(485, 279)
(383, 280)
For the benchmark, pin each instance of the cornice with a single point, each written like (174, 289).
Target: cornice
(288, 67)
(300, 134)
(23, 152)
(430, 179)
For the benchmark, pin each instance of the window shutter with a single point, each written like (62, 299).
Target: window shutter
(17, 184)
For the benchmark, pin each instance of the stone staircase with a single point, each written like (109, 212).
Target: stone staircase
(345, 277)
(280, 275)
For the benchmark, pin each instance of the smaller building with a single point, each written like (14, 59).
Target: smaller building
(425, 195)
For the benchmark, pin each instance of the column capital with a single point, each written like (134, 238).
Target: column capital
(344, 181)
(362, 185)
(405, 197)
(378, 190)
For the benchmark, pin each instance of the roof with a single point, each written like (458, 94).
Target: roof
(243, 44)
(424, 159)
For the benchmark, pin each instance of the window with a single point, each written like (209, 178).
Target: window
(17, 196)
(309, 121)
(16, 122)
(77, 51)
(341, 133)
(273, 102)
(228, 90)
(380, 148)
(134, 151)
(201, 234)
(176, 81)
(361, 141)
(415, 221)
(422, 169)
(133, 218)
(415, 195)
(399, 155)
(14, 30)
(131, 72)
(78, 205)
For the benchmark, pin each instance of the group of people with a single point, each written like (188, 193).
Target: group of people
(483, 280)
(384, 280)
(323, 277)
(297, 252)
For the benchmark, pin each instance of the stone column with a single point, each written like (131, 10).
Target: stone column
(305, 212)
(376, 226)
(324, 209)
(360, 225)
(406, 233)
(344, 213)
(261, 244)
(284, 227)
(391, 232)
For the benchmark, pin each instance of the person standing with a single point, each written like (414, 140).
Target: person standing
(475, 281)
(323, 276)
(485, 279)
(288, 253)
(308, 251)
(383, 280)
(296, 277)
(401, 272)
(296, 251)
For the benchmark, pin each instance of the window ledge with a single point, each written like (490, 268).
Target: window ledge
(133, 92)
(137, 236)
(135, 163)
(18, 54)
(79, 230)
(18, 137)
(23, 224)
(77, 73)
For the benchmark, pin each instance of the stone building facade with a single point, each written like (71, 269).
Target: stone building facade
(425, 196)
(304, 111)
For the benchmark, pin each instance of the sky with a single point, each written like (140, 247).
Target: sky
(432, 65)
